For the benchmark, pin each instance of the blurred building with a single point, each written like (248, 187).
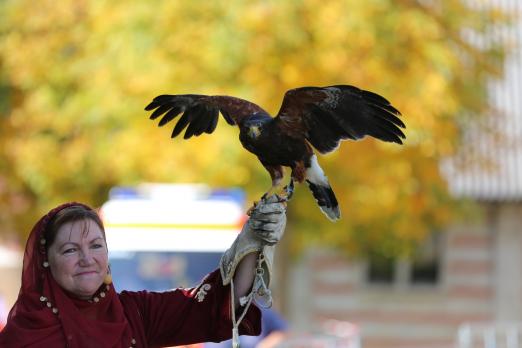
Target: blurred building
(465, 288)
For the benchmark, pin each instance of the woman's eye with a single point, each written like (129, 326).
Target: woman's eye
(97, 246)
(69, 251)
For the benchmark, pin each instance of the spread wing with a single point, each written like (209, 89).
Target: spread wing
(199, 112)
(327, 115)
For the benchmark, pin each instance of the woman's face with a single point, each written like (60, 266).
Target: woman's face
(78, 257)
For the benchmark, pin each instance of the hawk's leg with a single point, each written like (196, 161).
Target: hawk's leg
(276, 174)
(289, 189)
(298, 174)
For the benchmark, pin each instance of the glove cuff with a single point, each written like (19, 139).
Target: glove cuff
(246, 243)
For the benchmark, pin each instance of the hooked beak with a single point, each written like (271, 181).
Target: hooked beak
(253, 131)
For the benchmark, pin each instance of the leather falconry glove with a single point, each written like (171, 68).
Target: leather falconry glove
(259, 234)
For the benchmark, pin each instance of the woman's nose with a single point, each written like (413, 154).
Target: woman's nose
(86, 258)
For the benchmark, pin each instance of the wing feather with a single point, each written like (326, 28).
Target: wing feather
(327, 115)
(170, 115)
(198, 122)
(160, 111)
(214, 120)
(200, 112)
(182, 123)
(329, 138)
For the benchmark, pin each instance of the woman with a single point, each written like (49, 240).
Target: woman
(67, 298)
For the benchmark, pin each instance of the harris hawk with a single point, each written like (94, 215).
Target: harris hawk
(309, 117)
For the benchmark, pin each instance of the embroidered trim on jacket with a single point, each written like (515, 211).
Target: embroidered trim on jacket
(200, 296)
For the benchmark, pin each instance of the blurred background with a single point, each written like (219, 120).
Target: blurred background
(428, 252)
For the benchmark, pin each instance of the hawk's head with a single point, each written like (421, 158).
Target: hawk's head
(255, 123)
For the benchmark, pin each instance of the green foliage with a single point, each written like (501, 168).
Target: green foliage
(74, 79)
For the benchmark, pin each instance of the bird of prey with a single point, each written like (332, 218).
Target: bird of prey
(309, 117)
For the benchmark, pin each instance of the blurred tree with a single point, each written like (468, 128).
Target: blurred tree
(74, 79)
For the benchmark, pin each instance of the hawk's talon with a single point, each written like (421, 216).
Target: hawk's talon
(280, 198)
(251, 209)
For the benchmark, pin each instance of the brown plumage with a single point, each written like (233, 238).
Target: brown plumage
(318, 117)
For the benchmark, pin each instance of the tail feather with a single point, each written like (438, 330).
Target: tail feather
(320, 187)
(326, 200)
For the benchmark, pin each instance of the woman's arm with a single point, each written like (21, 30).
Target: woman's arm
(244, 276)
(186, 315)
(254, 248)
